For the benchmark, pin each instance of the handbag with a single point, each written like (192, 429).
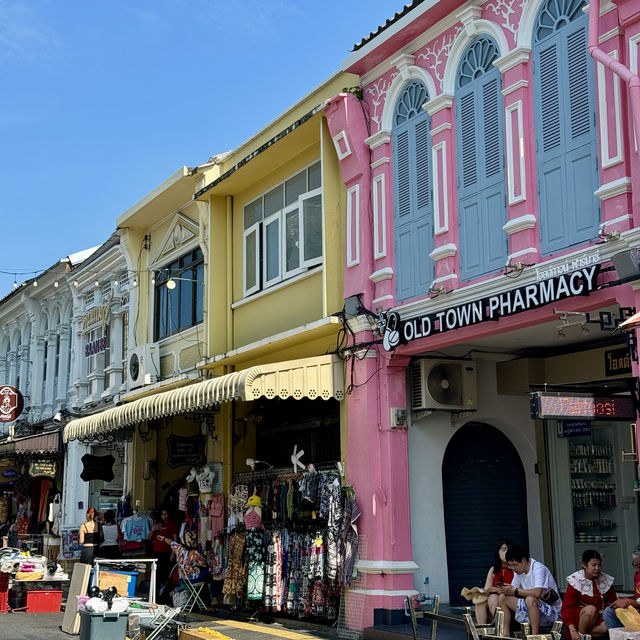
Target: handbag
(550, 596)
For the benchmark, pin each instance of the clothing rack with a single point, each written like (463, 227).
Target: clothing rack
(275, 472)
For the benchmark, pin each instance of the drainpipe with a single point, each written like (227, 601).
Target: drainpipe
(632, 80)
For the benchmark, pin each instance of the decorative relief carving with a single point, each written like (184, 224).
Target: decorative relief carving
(378, 92)
(436, 52)
(510, 12)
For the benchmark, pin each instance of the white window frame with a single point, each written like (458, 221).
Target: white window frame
(254, 228)
(274, 218)
(294, 206)
(260, 229)
(305, 264)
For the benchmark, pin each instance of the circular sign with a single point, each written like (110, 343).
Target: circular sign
(11, 403)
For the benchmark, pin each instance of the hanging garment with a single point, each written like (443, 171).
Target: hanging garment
(182, 499)
(216, 513)
(234, 579)
(204, 522)
(55, 514)
(256, 556)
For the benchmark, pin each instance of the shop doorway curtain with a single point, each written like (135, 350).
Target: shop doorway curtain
(485, 499)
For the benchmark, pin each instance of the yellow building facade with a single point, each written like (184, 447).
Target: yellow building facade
(238, 268)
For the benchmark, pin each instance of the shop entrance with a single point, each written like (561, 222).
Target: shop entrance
(485, 499)
(593, 496)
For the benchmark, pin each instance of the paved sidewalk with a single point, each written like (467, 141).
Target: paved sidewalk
(46, 626)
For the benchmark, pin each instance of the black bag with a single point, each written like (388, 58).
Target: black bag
(550, 596)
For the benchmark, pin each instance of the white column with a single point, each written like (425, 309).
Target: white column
(23, 352)
(64, 332)
(51, 336)
(12, 367)
(113, 370)
(37, 371)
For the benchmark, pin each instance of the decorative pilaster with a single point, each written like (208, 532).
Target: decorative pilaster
(445, 230)
(377, 465)
(113, 370)
(38, 346)
(522, 222)
(64, 331)
(51, 337)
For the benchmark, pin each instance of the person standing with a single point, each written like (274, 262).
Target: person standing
(533, 593)
(90, 537)
(110, 548)
(168, 529)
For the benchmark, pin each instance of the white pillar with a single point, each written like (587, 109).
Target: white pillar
(63, 364)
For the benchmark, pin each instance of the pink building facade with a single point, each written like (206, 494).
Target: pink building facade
(492, 180)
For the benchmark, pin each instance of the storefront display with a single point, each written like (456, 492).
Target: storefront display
(288, 539)
(594, 495)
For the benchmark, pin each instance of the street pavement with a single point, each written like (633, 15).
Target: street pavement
(46, 626)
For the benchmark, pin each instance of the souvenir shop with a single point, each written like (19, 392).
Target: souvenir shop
(30, 493)
(284, 538)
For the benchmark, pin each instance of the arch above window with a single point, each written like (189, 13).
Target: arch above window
(409, 102)
(476, 61)
(555, 14)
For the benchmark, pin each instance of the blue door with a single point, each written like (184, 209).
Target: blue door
(566, 136)
(482, 209)
(413, 202)
(485, 500)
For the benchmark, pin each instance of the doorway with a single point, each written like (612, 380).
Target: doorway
(485, 499)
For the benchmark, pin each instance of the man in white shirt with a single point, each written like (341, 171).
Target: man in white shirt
(533, 593)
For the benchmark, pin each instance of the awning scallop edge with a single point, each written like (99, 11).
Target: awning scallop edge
(317, 377)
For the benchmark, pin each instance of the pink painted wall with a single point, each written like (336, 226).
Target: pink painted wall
(377, 454)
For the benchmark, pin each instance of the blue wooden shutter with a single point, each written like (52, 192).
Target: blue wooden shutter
(481, 177)
(412, 193)
(566, 137)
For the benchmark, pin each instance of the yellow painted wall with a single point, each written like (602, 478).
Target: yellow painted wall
(302, 299)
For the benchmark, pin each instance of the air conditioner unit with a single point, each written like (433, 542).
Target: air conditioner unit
(143, 365)
(447, 385)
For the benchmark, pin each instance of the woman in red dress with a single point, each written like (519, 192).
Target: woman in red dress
(498, 574)
(588, 593)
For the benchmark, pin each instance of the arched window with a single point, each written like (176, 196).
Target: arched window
(566, 137)
(413, 211)
(482, 210)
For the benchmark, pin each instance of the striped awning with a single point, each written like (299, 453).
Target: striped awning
(44, 442)
(40, 443)
(317, 377)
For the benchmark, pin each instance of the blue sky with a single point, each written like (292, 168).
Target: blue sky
(101, 100)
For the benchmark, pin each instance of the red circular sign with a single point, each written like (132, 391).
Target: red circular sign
(11, 403)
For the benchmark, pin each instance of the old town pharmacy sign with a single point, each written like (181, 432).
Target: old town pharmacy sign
(501, 305)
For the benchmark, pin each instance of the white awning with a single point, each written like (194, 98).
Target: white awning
(318, 377)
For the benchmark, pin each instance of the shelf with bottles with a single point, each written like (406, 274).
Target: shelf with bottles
(583, 484)
(591, 458)
(595, 530)
(590, 499)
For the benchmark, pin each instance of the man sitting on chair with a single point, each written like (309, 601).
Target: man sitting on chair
(533, 593)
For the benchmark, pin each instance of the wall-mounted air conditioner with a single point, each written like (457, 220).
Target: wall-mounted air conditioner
(143, 365)
(447, 385)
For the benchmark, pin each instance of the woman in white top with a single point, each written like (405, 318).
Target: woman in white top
(110, 548)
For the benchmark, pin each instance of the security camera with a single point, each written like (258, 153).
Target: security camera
(57, 418)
